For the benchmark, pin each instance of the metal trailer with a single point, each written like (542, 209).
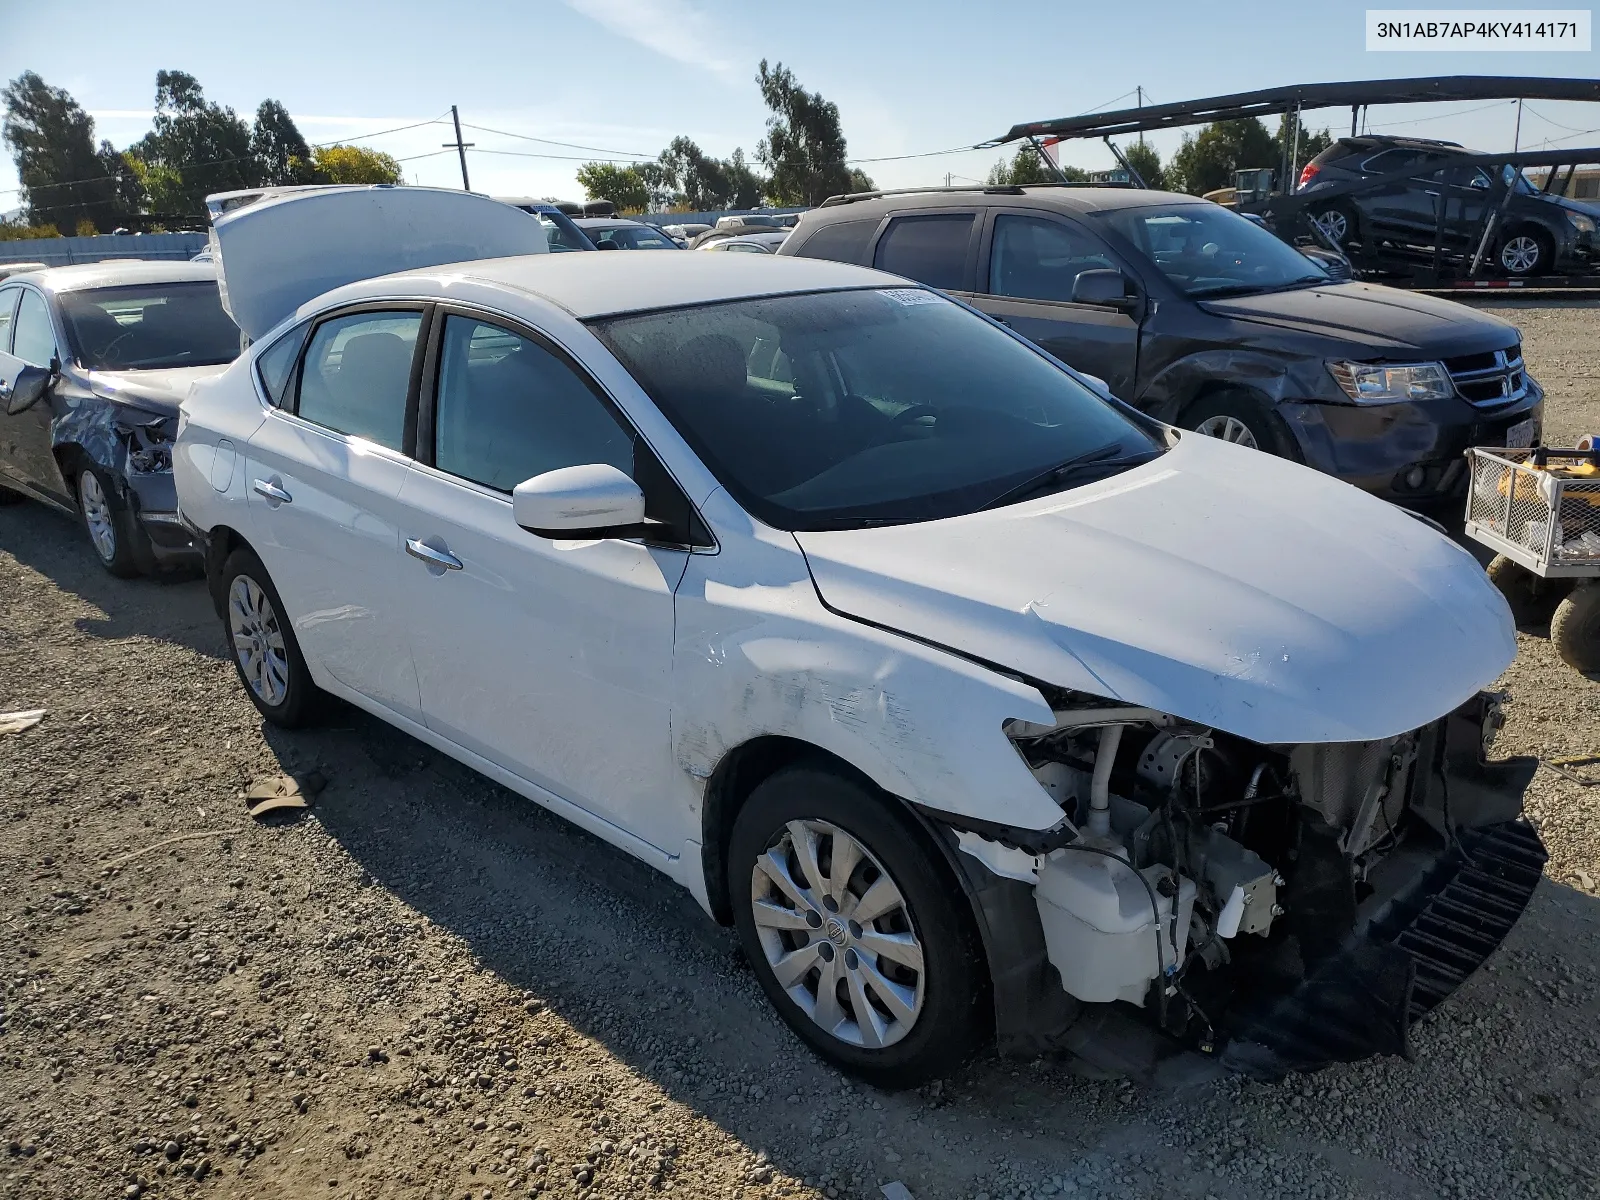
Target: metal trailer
(1457, 256)
(1538, 509)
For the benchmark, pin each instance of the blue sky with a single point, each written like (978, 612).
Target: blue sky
(628, 75)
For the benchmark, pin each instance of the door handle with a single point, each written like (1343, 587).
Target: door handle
(273, 493)
(432, 555)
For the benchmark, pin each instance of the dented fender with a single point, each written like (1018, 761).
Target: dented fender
(1272, 375)
(757, 654)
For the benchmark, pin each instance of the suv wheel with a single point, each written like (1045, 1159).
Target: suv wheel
(1338, 222)
(1525, 252)
(1237, 416)
(856, 931)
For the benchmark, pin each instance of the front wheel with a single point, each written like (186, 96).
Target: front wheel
(265, 652)
(114, 533)
(1575, 629)
(1525, 252)
(1232, 415)
(857, 932)
(1532, 598)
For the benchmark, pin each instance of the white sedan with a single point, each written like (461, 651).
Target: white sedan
(979, 702)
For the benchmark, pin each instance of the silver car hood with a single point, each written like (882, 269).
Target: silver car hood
(1218, 584)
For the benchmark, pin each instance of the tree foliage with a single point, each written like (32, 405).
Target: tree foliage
(1207, 160)
(354, 164)
(199, 147)
(1027, 166)
(1142, 157)
(804, 149)
(281, 154)
(625, 187)
(65, 180)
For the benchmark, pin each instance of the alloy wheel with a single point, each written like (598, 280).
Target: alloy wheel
(1520, 255)
(1228, 429)
(258, 641)
(97, 516)
(838, 934)
(1333, 223)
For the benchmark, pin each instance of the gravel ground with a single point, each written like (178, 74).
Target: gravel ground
(425, 986)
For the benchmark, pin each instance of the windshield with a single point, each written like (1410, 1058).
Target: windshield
(833, 410)
(633, 237)
(149, 327)
(561, 233)
(1205, 250)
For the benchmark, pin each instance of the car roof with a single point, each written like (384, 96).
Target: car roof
(766, 238)
(594, 285)
(1368, 141)
(1066, 197)
(118, 274)
(610, 223)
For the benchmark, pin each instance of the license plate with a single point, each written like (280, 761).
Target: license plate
(1522, 434)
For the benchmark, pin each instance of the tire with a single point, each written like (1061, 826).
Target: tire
(1238, 416)
(921, 1023)
(114, 533)
(1532, 599)
(1575, 629)
(1523, 252)
(265, 653)
(1339, 220)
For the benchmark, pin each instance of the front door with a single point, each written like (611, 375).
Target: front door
(1033, 263)
(551, 659)
(324, 485)
(26, 442)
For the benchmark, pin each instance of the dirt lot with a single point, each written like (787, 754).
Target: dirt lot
(428, 987)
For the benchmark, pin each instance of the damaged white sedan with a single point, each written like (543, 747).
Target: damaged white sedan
(984, 706)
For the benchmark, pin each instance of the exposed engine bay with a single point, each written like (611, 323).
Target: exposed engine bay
(1279, 906)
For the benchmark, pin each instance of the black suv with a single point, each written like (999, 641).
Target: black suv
(1204, 319)
(1541, 233)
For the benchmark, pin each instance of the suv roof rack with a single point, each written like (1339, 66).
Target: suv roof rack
(988, 189)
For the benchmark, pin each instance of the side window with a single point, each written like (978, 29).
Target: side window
(32, 339)
(1037, 259)
(843, 241)
(931, 250)
(508, 409)
(8, 303)
(357, 375)
(275, 364)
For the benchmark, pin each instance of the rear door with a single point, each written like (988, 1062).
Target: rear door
(324, 478)
(1031, 262)
(9, 366)
(936, 248)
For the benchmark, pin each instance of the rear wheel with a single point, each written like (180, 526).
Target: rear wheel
(265, 652)
(1532, 598)
(857, 933)
(1232, 415)
(1575, 629)
(1338, 221)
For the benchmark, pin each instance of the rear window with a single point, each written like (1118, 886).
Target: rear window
(842, 241)
(931, 250)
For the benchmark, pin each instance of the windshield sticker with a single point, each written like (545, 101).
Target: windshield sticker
(909, 295)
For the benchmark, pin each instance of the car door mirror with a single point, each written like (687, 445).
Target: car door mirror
(1097, 385)
(594, 500)
(30, 386)
(1105, 288)
(605, 245)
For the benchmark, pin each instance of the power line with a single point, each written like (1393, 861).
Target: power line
(925, 154)
(531, 154)
(1536, 113)
(552, 142)
(439, 120)
(1442, 116)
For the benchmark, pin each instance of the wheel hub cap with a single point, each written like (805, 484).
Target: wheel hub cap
(1228, 429)
(838, 934)
(97, 516)
(1520, 254)
(258, 641)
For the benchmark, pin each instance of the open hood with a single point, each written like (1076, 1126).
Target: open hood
(1218, 584)
(277, 252)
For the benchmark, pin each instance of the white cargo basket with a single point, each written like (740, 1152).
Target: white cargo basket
(1521, 507)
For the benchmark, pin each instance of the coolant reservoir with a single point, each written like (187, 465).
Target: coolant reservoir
(1099, 928)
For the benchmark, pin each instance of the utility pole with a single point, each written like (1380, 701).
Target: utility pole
(949, 179)
(460, 148)
(1140, 91)
(1516, 138)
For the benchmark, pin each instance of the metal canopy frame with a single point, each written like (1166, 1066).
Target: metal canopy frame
(1428, 89)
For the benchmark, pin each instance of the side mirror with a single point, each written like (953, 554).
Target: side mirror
(1097, 385)
(1102, 287)
(577, 503)
(605, 245)
(31, 385)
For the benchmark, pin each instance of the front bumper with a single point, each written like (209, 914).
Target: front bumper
(154, 499)
(1375, 447)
